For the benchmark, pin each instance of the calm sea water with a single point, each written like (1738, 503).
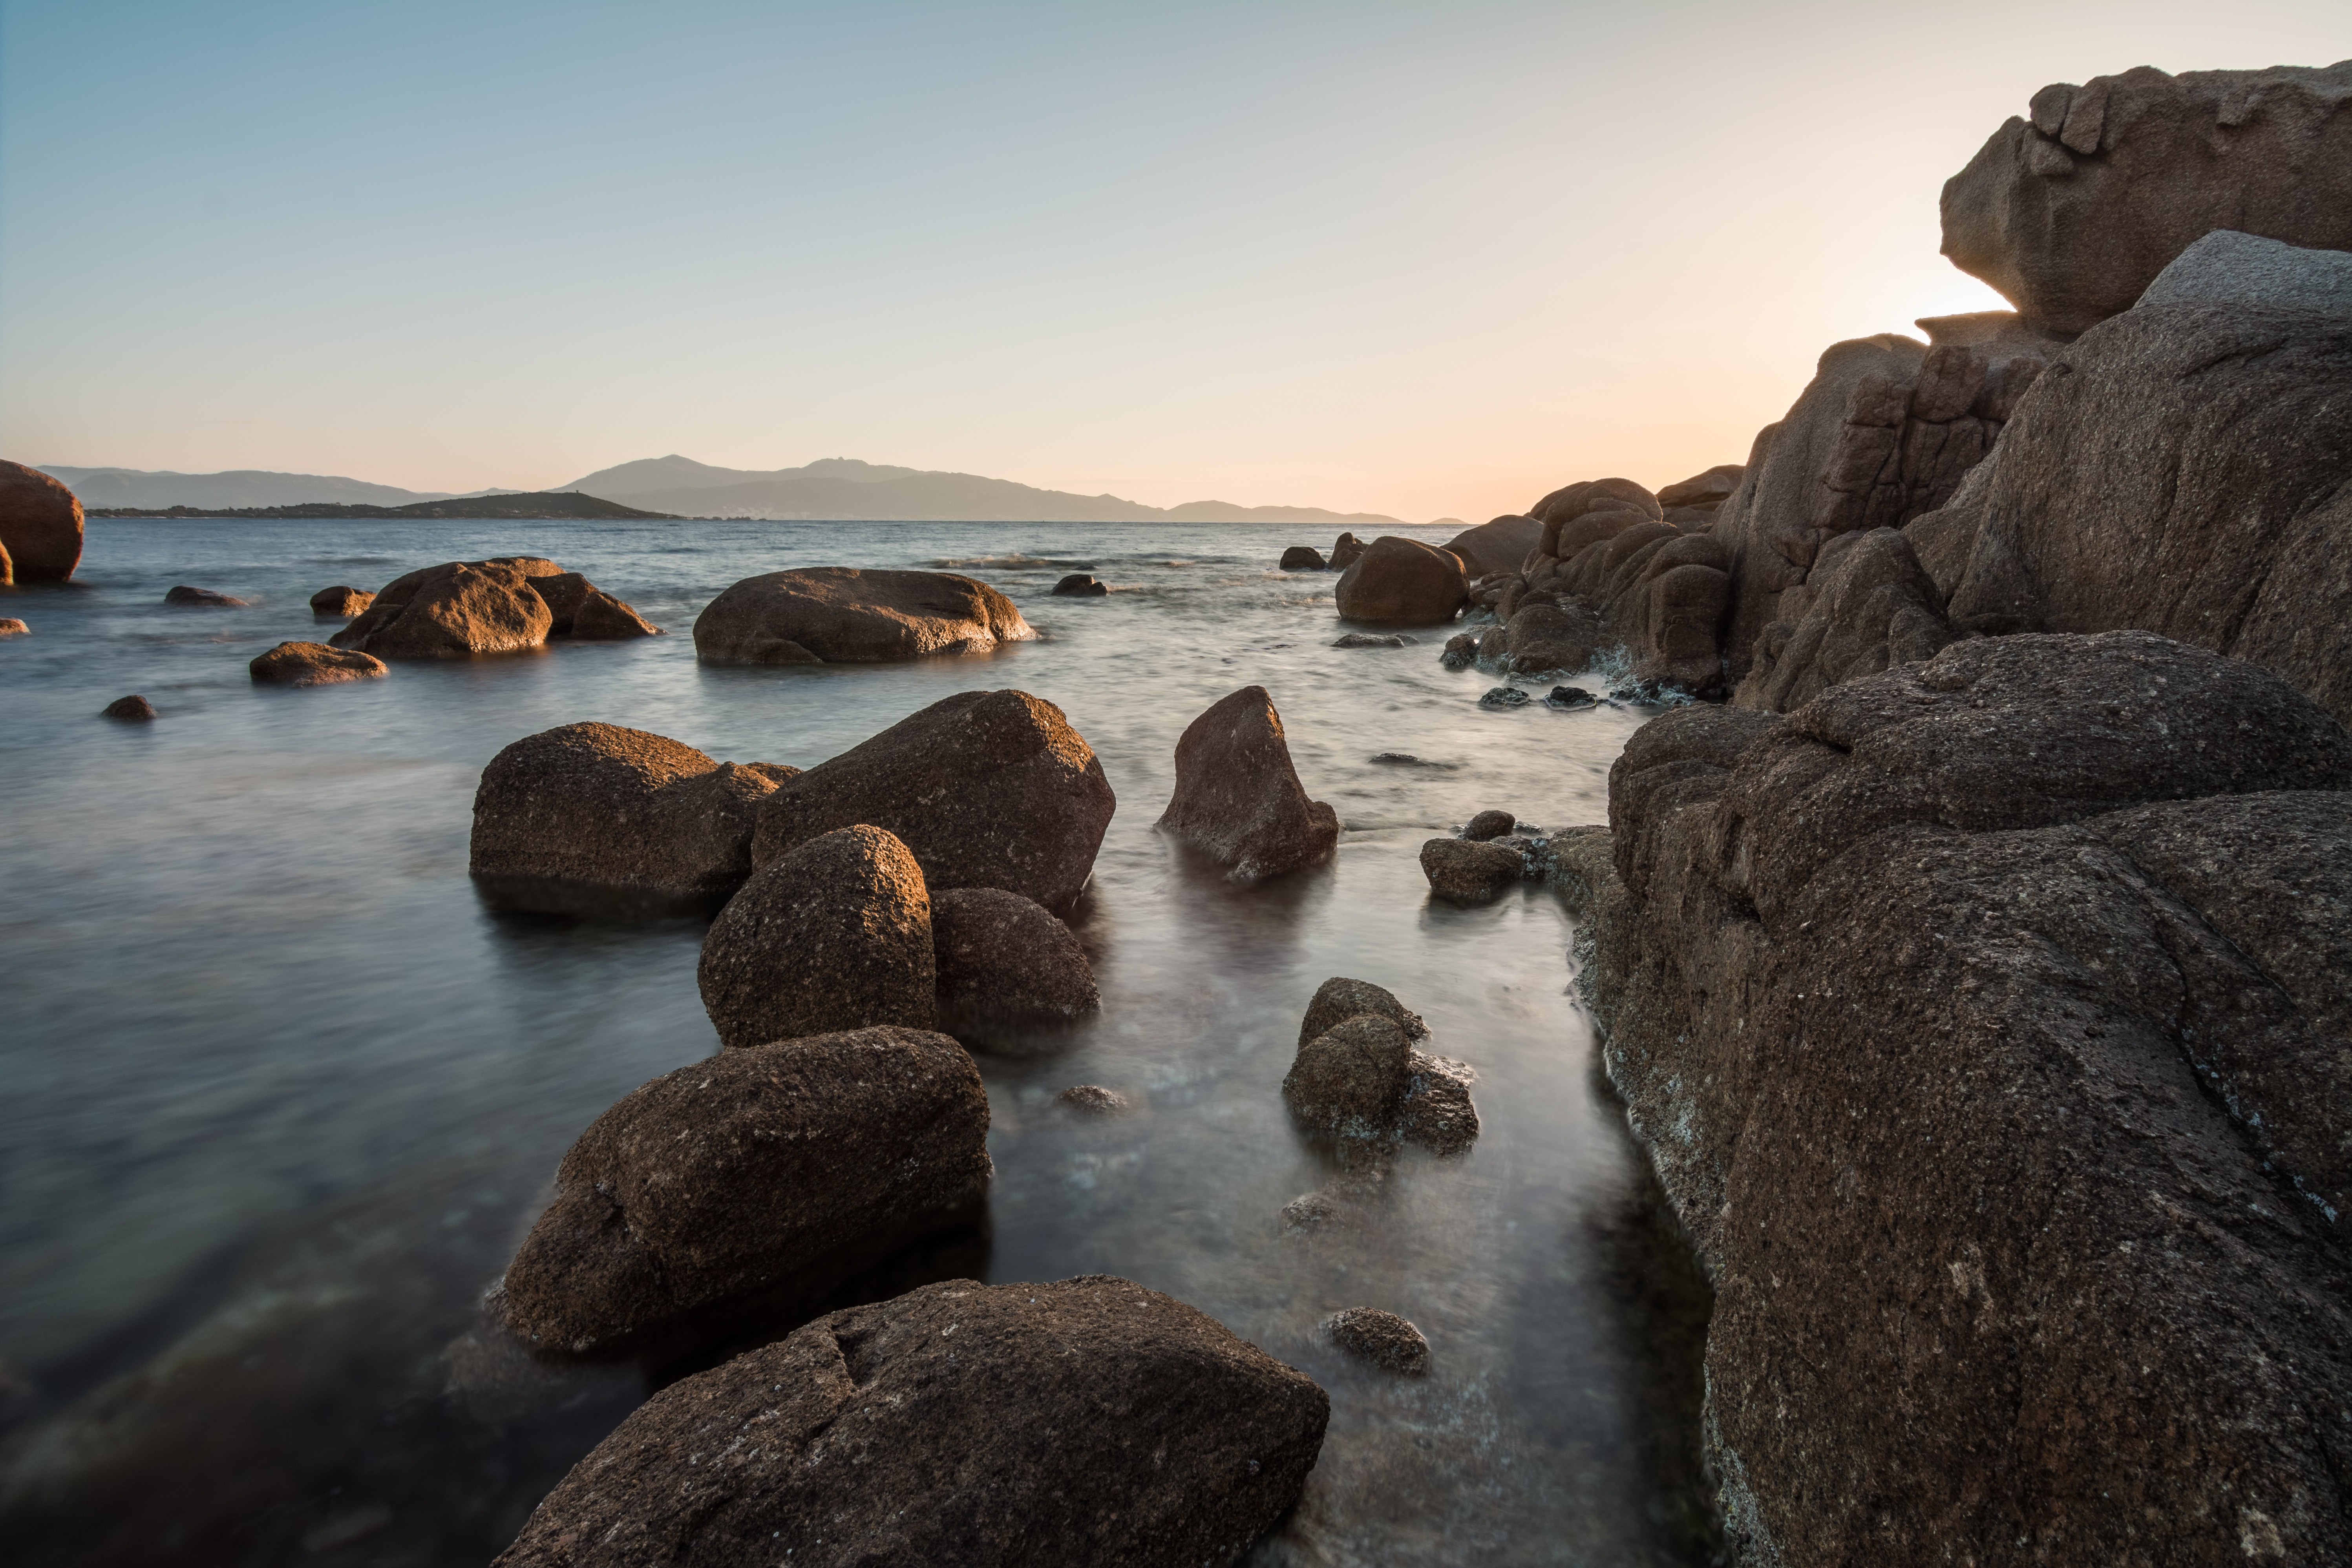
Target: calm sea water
(279, 1094)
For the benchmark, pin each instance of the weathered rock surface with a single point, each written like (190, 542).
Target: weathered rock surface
(1005, 966)
(1350, 1080)
(40, 526)
(1238, 800)
(1339, 999)
(1382, 1338)
(1344, 552)
(601, 808)
(133, 706)
(1465, 871)
(834, 934)
(1081, 585)
(340, 602)
(767, 1173)
(203, 599)
(845, 615)
(1052, 1425)
(454, 610)
(1400, 582)
(2227, 267)
(1547, 636)
(1866, 606)
(2073, 212)
(1501, 545)
(1701, 492)
(313, 664)
(1092, 1101)
(1303, 557)
(1974, 1016)
(1438, 1114)
(987, 789)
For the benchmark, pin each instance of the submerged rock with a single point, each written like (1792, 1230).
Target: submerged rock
(1375, 640)
(768, 1173)
(340, 602)
(1382, 1338)
(1092, 1100)
(204, 598)
(834, 934)
(1488, 825)
(1005, 966)
(1081, 585)
(454, 610)
(1401, 583)
(1504, 696)
(1461, 650)
(1302, 558)
(40, 526)
(312, 665)
(1237, 797)
(1053, 1425)
(1466, 873)
(132, 707)
(986, 789)
(1570, 698)
(846, 615)
(1438, 1112)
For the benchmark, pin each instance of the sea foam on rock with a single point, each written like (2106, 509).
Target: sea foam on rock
(847, 615)
(1238, 798)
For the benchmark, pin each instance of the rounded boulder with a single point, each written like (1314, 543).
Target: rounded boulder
(41, 524)
(1005, 965)
(1351, 1081)
(312, 665)
(846, 615)
(1401, 583)
(1466, 873)
(454, 610)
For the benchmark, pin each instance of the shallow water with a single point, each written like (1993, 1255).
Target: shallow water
(278, 1094)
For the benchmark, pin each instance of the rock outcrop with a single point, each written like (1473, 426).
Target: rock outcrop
(2072, 211)
(1050, 1425)
(1238, 800)
(597, 809)
(1400, 582)
(767, 1174)
(1983, 1021)
(1866, 606)
(845, 615)
(2227, 267)
(340, 603)
(987, 789)
(454, 611)
(1006, 968)
(1693, 502)
(836, 934)
(313, 664)
(40, 526)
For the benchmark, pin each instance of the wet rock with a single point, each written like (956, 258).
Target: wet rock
(598, 807)
(340, 603)
(987, 789)
(772, 1171)
(1382, 1338)
(40, 526)
(1350, 1080)
(1345, 552)
(12, 627)
(602, 618)
(1569, 699)
(1005, 966)
(1488, 825)
(1504, 696)
(1237, 797)
(1547, 637)
(1081, 585)
(1400, 582)
(454, 610)
(834, 934)
(1438, 1114)
(1338, 998)
(1497, 546)
(1092, 1101)
(312, 665)
(204, 598)
(1466, 873)
(1302, 558)
(1461, 650)
(1312, 1211)
(1375, 640)
(1061, 1426)
(1495, 645)
(2073, 212)
(132, 707)
(1407, 759)
(843, 615)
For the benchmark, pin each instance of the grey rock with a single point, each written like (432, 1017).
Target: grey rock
(2227, 267)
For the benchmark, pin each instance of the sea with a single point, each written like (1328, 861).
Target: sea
(280, 1092)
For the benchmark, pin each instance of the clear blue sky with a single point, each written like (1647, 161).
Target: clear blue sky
(1419, 259)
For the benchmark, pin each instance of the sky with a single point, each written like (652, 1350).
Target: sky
(1419, 259)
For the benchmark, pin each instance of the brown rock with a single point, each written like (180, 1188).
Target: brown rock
(1711, 488)
(766, 1173)
(1302, 558)
(1867, 607)
(1501, 545)
(1061, 1426)
(1339, 999)
(40, 526)
(340, 603)
(843, 615)
(453, 610)
(835, 935)
(1488, 825)
(597, 807)
(1345, 552)
(2073, 212)
(204, 598)
(1384, 1339)
(1081, 585)
(602, 618)
(1238, 800)
(1462, 872)
(1005, 966)
(1545, 637)
(1400, 582)
(1438, 1114)
(1092, 1101)
(12, 627)
(7, 568)
(563, 592)
(312, 665)
(132, 707)
(987, 788)
(1351, 1081)
(1572, 501)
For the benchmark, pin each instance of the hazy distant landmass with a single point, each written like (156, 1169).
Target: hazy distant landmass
(544, 504)
(832, 488)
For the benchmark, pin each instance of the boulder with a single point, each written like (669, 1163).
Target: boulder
(340, 603)
(12, 627)
(1544, 637)
(7, 568)
(1570, 699)
(834, 934)
(1005, 966)
(1463, 872)
(1048, 1425)
(1302, 558)
(1569, 502)
(1400, 582)
(1339, 999)
(562, 592)
(602, 618)
(1711, 488)
(133, 706)
(1351, 1081)
(2073, 212)
(845, 615)
(454, 610)
(2227, 267)
(203, 599)
(1497, 546)
(1382, 1338)
(1504, 697)
(1081, 585)
(601, 809)
(312, 665)
(1344, 552)
(987, 789)
(40, 526)
(1438, 1114)
(1238, 800)
(767, 1174)
(1488, 825)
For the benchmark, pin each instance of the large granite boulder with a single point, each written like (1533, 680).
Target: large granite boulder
(846, 615)
(602, 618)
(454, 610)
(767, 1174)
(987, 788)
(40, 526)
(1983, 1022)
(595, 808)
(2071, 212)
(1502, 545)
(313, 664)
(1400, 582)
(836, 934)
(1071, 1425)
(1006, 966)
(1238, 800)
(1685, 500)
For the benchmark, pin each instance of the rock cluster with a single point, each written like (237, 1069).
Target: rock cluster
(1358, 1079)
(313, 664)
(463, 609)
(1238, 800)
(40, 526)
(846, 615)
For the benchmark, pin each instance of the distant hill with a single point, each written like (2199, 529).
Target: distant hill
(101, 489)
(539, 503)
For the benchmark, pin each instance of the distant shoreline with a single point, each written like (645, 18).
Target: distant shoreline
(328, 513)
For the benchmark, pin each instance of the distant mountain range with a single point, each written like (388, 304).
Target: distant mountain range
(535, 504)
(832, 488)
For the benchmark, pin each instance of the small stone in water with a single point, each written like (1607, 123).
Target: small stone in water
(132, 706)
(1382, 1338)
(204, 597)
(14, 628)
(1079, 585)
(1571, 697)
(1374, 639)
(1310, 1211)
(1461, 652)
(1489, 825)
(1091, 1099)
(1504, 696)
(1407, 759)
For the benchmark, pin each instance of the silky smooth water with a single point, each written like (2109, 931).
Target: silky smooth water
(278, 1094)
